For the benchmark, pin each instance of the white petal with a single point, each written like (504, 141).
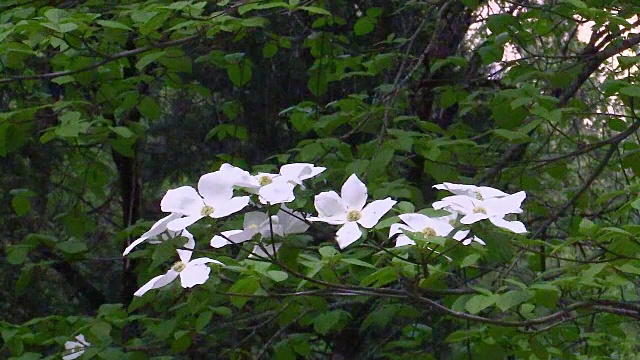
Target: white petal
(513, 226)
(348, 234)
(403, 240)
(300, 171)
(157, 282)
(473, 217)
(160, 226)
(132, 245)
(278, 192)
(460, 235)
(441, 227)
(354, 193)
(372, 213)
(204, 261)
(397, 229)
(254, 219)
(230, 206)
(82, 340)
(336, 220)
(239, 177)
(182, 223)
(258, 251)
(417, 222)
(329, 205)
(220, 241)
(292, 224)
(183, 200)
(479, 241)
(194, 275)
(185, 255)
(215, 187)
(191, 243)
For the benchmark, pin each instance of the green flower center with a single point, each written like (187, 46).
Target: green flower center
(354, 215)
(264, 180)
(207, 210)
(428, 232)
(479, 196)
(179, 266)
(479, 210)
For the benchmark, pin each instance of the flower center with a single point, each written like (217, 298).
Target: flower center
(179, 266)
(479, 210)
(479, 196)
(354, 215)
(264, 180)
(428, 232)
(207, 210)
(253, 226)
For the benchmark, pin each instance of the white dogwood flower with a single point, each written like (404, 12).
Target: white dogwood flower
(191, 272)
(477, 192)
(278, 188)
(418, 223)
(494, 209)
(348, 209)
(75, 349)
(159, 233)
(214, 198)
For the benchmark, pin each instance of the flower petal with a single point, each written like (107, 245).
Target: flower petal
(204, 261)
(194, 274)
(219, 241)
(329, 205)
(513, 226)
(182, 223)
(239, 177)
(132, 245)
(372, 213)
(417, 222)
(292, 224)
(278, 192)
(397, 229)
(230, 206)
(348, 234)
(157, 282)
(185, 255)
(258, 250)
(183, 200)
(473, 217)
(354, 193)
(215, 187)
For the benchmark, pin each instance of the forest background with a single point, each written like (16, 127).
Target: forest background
(107, 104)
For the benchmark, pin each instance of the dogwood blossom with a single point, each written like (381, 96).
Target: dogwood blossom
(494, 209)
(214, 198)
(282, 224)
(348, 209)
(75, 349)
(419, 223)
(278, 188)
(191, 272)
(159, 233)
(478, 192)
(289, 222)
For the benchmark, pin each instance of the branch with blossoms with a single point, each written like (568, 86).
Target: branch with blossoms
(230, 190)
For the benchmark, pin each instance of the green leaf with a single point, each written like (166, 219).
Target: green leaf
(72, 246)
(239, 74)
(364, 25)
(575, 3)
(315, 10)
(325, 322)
(269, 50)
(381, 277)
(633, 91)
(113, 24)
(246, 286)
(277, 276)
(203, 320)
(328, 251)
(148, 59)
(512, 298)
(358, 262)
(21, 201)
(17, 254)
(480, 302)
(122, 131)
(470, 260)
(149, 108)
